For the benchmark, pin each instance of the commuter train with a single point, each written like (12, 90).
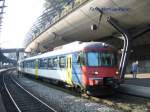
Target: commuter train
(88, 66)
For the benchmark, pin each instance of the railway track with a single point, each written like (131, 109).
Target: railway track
(121, 101)
(23, 100)
(125, 102)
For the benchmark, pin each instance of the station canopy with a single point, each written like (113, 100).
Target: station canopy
(64, 21)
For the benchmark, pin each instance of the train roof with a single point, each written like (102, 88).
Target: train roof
(71, 47)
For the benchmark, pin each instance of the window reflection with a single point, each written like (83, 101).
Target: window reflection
(92, 58)
(101, 59)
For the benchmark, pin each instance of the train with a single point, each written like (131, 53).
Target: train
(87, 66)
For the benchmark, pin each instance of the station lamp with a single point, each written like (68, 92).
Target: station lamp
(94, 27)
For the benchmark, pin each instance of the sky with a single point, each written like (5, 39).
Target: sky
(18, 18)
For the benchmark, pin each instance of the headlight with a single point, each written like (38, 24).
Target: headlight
(117, 72)
(96, 73)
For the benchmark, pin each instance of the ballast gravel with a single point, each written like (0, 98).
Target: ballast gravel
(62, 101)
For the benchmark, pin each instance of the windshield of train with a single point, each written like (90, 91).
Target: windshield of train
(101, 59)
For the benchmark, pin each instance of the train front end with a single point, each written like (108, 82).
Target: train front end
(100, 71)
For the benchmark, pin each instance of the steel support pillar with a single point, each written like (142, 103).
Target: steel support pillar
(17, 55)
(126, 47)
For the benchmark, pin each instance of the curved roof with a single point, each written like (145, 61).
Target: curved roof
(77, 24)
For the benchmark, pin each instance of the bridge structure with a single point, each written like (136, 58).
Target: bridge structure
(4, 59)
(12, 50)
(122, 23)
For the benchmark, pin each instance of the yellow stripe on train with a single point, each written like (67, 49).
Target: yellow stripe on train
(69, 70)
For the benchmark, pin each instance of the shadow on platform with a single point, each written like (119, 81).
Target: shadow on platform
(139, 86)
(138, 81)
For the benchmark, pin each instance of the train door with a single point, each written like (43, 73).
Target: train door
(36, 68)
(69, 69)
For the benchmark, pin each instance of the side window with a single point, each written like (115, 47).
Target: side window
(45, 63)
(62, 62)
(41, 63)
(24, 64)
(93, 58)
(55, 62)
(27, 64)
(33, 64)
(30, 64)
(81, 58)
(50, 63)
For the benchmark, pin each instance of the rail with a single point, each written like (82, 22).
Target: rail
(23, 100)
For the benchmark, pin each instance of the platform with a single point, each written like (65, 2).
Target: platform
(139, 86)
(141, 80)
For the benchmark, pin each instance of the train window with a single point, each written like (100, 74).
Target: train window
(107, 59)
(45, 63)
(81, 58)
(93, 59)
(24, 65)
(55, 63)
(101, 59)
(32, 64)
(42, 63)
(50, 63)
(62, 62)
(27, 64)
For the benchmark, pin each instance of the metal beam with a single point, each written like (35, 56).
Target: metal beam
(2, 6)
(126, 48)
(12, 50)
(141, 32)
